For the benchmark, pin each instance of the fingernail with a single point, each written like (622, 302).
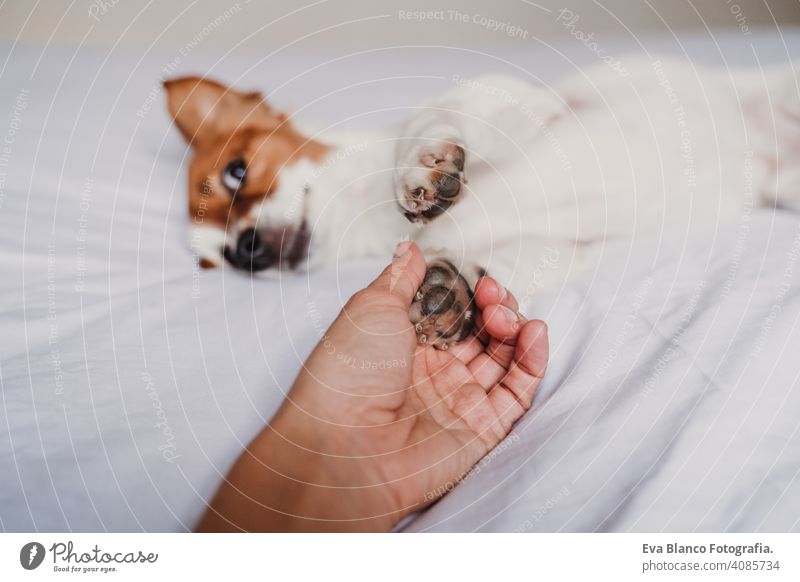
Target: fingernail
(400, 260)
(402, 248)
(502, 292)
(510, 316)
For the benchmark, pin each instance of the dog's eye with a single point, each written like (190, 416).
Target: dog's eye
(234, 174)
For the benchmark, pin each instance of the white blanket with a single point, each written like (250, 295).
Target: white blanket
(670, 402)
(131, 381)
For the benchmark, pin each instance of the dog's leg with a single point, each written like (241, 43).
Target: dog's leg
(473, 124)
(443, 310)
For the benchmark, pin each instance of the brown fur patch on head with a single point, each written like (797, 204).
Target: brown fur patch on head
(223, 125)
(204, 109)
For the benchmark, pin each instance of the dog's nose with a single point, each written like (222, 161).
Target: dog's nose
(249, 244)
(251, 252)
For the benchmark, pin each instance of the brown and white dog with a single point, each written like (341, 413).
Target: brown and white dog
(658, 152)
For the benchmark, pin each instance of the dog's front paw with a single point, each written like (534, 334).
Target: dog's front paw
(428, 178)
(443, 310)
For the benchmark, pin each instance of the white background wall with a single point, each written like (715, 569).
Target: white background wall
(350, 24)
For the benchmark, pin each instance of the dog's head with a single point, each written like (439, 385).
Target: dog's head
(246, 176)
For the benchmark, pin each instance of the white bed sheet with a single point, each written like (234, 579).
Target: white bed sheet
(130, 382)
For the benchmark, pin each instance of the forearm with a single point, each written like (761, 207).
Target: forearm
(281, 483)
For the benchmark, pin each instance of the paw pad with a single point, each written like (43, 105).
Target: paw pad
(442, 310)
(433, 188)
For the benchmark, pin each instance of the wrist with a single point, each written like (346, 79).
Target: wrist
(288, 479)
(337, 490)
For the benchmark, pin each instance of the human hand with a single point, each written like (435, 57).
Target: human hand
(375, 426)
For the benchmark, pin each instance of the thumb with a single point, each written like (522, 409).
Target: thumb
(404, 275)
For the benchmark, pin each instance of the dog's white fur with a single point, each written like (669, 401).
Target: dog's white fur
(669, 151)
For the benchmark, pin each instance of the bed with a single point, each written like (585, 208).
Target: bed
(131, 380)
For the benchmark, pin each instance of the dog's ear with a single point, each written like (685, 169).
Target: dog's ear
(205, 110)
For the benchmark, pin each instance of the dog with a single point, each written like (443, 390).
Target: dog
(498, 174)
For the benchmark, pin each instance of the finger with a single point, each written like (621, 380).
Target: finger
(490, 292)
(501, 327)
(493, 364)
(487, 371)
(501, 323)
(404, 275)
(513, 396)
(467, 350)
(480, 331)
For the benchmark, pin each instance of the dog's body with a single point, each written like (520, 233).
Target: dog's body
(497, 174)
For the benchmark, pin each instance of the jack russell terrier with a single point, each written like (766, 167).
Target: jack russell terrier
(498, 174)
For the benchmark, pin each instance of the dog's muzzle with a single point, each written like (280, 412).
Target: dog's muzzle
(258, 250)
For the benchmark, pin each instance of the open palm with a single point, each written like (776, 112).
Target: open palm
(410, 421)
